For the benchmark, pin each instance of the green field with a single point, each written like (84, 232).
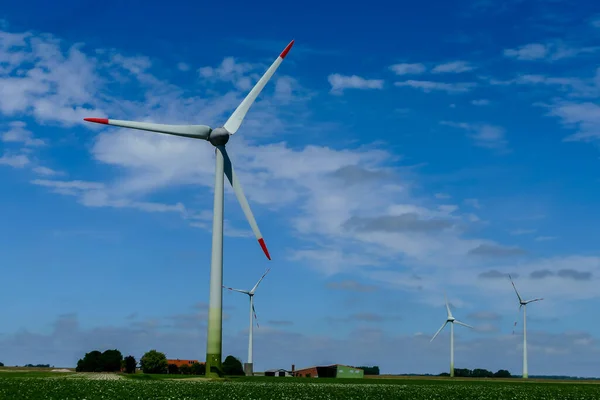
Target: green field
(53, 385)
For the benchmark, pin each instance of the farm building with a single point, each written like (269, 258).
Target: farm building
(180, 363)
(278, 372)
(330, 371)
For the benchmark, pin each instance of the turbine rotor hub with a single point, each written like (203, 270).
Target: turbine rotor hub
(218, 137)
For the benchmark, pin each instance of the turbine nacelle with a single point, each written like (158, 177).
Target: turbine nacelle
(219, 137)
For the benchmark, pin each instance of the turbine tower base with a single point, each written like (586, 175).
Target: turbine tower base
(214, 369)
(249, 369)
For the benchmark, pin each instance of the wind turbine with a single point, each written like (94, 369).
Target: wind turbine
(452, 321)
(217, 137)
(523, 303)
(248, 369)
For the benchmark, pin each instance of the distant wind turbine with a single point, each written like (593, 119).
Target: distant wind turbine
(523, 303)
(248, 368)
(452, 320)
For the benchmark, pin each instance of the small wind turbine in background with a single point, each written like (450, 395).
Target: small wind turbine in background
(248, 368)
(523, 303)
(452, 321)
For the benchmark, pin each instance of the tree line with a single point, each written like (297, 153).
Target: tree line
(374, 370)
(478, 373)
(152, 362)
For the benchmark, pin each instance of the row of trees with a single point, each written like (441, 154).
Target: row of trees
(152, 362)
(374, 370)
(478, 373)
(107, 361)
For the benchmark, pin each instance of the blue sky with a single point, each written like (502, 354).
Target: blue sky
(399, 152)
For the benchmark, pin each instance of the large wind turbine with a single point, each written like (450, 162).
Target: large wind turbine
(217, 137)
(452, 321)
(248, 369)
(523, 303)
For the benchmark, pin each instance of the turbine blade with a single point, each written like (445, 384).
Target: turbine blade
(237, 188)
(447, 305)
(261, 278)
(511, 281)
(531, 301)
(255, 317)
(236, 290)
(439, 330)
(235, 120)
(191, 131)
(463, 324)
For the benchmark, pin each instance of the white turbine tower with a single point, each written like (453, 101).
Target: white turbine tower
(248, 367)
(452, 321)
(217, 137)
(523, 303)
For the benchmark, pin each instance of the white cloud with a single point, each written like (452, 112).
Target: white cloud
(406, 69)
(484, 135)
(545, 238)
(518, 232)
(552, 51)
(532, 51)
(45, 171)
(18, 134)
(183, 66)
(453, 67)
(339, 83)
(584, 117)
(429, 86)
(230, 70)
(473, 203)
(480, 102)
(339, 205)
(14, 160)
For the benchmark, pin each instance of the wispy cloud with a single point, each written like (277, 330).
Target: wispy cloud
(339, 83)
(453, 67)
(518, 232)
(429, 86)
(14, 160)
(17, 133)
(545, 238)
(480, 102)
(183, 66)
(494, 250)
(584, 117)
(532, 51)
(549, 51)
(484, 135)
(408, 69)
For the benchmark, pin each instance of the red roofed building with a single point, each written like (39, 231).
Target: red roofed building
(180, 363)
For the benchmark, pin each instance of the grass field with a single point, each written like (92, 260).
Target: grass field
(68, 385)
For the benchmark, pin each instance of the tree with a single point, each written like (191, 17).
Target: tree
(1, 364)
(185, 369)
(232, 366)
(198, 369)
(130, 364)
(481, 373)
(173, 369)
(502, 373)
(91, 362)
(374, 370)
(154, 362)
(111, 360)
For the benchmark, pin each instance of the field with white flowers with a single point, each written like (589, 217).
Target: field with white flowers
(91, 386)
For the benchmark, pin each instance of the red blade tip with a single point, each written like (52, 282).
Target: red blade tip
(97, 120)
(286, 50)
(261, 241)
